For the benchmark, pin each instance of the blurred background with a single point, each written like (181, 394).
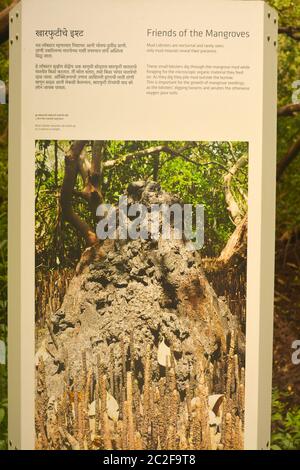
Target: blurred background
(286, 374)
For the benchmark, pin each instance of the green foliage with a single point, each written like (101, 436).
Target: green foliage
(286, 423)
(3, 423)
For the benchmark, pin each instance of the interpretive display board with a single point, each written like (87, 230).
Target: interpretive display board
(141, 224)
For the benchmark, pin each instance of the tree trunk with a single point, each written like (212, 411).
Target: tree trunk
(236, 246)
(4, 21)
(235, 211)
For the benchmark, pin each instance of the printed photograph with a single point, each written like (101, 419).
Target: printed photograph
(140, 301)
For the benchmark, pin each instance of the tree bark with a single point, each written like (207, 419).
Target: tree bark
(143, 312)
(66, 196)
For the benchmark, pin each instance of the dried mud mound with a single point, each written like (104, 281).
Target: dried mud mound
(141, 339)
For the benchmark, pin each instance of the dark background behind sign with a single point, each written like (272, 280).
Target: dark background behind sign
(286, 383)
